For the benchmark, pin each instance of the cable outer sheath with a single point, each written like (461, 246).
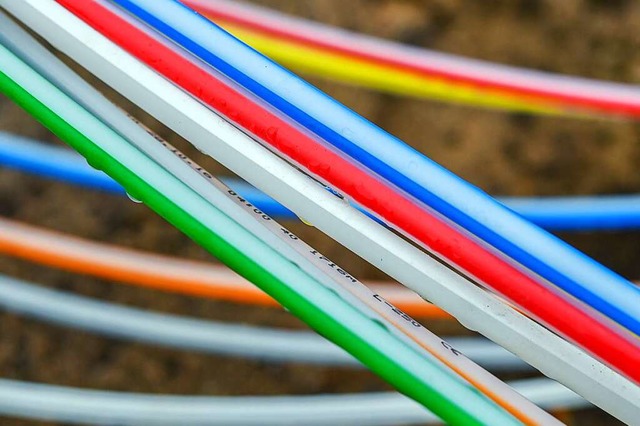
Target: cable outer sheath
(384, 78)
(554, 310)
(159, 272)
(280, 239)
(470, 305)
(532, 86)
(560, 213)
(220, 196)
(14, 91)
(162, 272)
(53, 162)
(65, 404)
(393, 160)
(211, 337)
(352, 339)
(205, 336)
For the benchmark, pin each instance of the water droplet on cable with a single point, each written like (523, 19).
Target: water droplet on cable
(93, 163)
(348, 133)
(272, 134)
(134, 199)
(306, 222)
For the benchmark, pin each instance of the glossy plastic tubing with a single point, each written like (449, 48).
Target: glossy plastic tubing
(74, 405)
(25, 154)
(280, 239)
(206, 336)
(187, 211)
(466, 205)
(571, 213)
(553, 309)
(402, 261)
(414, 71)
(165, 273)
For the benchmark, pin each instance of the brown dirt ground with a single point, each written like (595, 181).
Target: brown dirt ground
(502, 153)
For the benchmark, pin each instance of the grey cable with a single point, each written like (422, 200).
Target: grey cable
(210, 337)
(72, 405)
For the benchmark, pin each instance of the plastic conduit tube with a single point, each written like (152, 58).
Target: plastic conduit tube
(271, 30)
(350, 69)
(218, 195)
(160, 272)
(25, 154)
(206, 336)
(163, 272)
(472, 306)
(550, 307)
(279, 238)
(350, 330)
(34, 83)
(560, 213)
(65, 404)
(396, 349)
(390, 158)
(381, 77)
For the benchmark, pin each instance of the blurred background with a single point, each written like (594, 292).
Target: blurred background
(503, 153)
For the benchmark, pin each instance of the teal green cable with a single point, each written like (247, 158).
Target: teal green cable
(447, 396)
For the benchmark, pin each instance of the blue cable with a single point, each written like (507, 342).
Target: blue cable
(614, 212)
(461, 202)
(62, 164)
(54, 162)
(579, 213)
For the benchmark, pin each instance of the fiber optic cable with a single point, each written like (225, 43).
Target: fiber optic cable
(397, 68)
(288, 244)
(74, 405)
(369, 240)
(558, 213)
(545, 255)
(552, 308)
(162, 272)
(206, 336)
(125, 158)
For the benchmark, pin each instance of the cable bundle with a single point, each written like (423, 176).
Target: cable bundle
(409, 71)
(247, 96)
(472, 406)
(364, 145)
(555, 213)
(552, 308)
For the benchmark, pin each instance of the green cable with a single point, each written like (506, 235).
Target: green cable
(428, 383)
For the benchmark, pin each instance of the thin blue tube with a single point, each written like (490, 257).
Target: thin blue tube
(53, 162)
(427, 181)
(613, 212)
(579, 213)
(62, 164)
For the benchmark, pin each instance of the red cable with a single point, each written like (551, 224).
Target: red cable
(614, 107)
(542, 302)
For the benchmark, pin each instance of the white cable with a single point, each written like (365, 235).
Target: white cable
(475, 308)
(212, 337)
(73, 405)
